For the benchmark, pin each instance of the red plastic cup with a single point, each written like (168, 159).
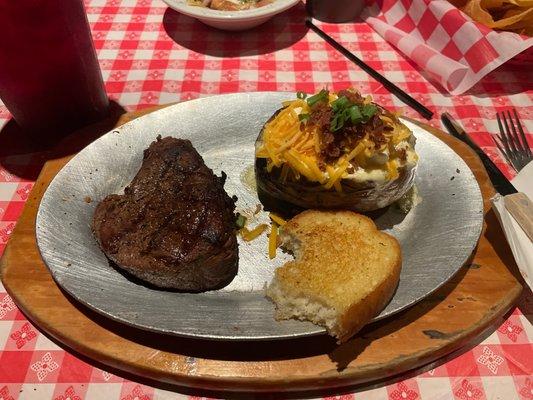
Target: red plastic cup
(50, 79)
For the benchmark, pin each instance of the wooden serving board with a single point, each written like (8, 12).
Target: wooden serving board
(474, 300)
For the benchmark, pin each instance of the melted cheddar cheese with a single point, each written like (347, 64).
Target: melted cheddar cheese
(294, 147)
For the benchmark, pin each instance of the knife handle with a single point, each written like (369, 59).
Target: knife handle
(521, 208)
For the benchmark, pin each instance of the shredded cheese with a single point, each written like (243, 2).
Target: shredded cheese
(359, 148)
(249, 235)
(392, 170)
(277, 219)
(273, 240)
(336, 174)
(294, 147)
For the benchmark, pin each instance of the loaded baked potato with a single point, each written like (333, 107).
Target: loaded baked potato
(335, 151)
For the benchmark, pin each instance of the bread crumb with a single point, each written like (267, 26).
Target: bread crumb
(87, 199)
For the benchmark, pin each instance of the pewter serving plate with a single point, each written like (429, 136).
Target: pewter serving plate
(436, 237)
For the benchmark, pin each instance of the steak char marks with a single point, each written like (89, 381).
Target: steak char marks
(174, 226)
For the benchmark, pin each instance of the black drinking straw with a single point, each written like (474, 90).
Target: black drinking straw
(391, 87)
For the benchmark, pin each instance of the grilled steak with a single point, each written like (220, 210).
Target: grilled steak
(174, 225)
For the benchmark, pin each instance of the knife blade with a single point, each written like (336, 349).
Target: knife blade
(498, 179)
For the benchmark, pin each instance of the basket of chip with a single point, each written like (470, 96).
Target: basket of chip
(505, 15)
(456, 42)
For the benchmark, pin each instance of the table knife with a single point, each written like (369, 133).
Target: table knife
(517, 204)
(498, 179)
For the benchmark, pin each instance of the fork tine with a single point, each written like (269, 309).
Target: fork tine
(507, 142)
(507, 135)
(513, 146)
(499, 137)
(514, 135)
(502, 136)
(522, 134)
(504, 153)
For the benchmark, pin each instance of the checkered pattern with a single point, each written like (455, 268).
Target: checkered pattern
(151, 55)
(452, 49)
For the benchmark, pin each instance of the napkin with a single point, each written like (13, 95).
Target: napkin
(444, 42)
(520, 244)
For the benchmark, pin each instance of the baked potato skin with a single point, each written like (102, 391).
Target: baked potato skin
(356, 196)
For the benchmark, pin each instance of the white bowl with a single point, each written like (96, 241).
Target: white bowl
(232, 20)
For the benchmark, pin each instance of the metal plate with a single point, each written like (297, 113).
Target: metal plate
(436, 237)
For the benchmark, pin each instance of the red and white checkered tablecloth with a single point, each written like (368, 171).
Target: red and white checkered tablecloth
(151, 55)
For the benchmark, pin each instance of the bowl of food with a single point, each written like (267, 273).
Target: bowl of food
(335, 150)
(506, 15)
(231, 15)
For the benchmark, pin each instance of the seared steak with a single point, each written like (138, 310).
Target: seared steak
(174, 225)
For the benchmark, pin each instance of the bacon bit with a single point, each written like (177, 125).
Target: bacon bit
(333, 145)
(354, 97)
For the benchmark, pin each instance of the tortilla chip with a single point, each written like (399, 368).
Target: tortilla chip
(512, 15)
(521, 3)
(488, 4)
(475, 11)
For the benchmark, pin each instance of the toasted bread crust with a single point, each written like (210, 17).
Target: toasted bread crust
(361, 313)
(354, 275)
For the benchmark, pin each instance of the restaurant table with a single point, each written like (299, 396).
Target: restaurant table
(151, 55)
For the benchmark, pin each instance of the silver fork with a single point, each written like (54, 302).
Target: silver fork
(512, 140)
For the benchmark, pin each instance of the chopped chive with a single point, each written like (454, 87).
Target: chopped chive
(340, 104)
(344, 111)
(240, 221)
(368, 111)
(301, 95)
(323, 95)
(355, 114)
(303, 117)
(337, 122)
